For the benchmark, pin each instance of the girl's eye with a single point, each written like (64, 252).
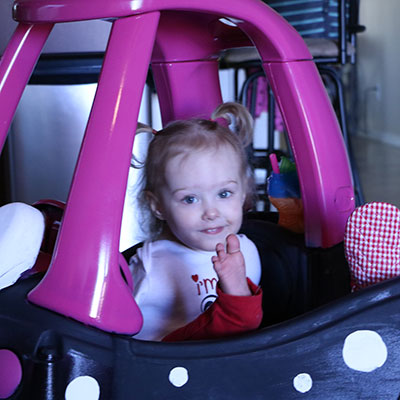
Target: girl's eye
(225, 194)
(189, 200)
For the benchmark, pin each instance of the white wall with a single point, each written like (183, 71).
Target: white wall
(378, 70)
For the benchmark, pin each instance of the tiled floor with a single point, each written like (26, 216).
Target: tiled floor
(379, 170)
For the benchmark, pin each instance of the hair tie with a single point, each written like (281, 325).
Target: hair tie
(221, 121)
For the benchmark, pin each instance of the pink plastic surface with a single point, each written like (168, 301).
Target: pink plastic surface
(10, 373)
(16, 66)
(318, 148)
(84, 280)
(85, 268)
(282, 41)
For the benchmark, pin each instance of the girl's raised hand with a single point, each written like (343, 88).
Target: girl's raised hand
(231, 268)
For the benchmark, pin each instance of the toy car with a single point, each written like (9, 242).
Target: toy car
(70, 333)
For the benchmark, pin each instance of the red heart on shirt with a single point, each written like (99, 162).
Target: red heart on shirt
(195, 277)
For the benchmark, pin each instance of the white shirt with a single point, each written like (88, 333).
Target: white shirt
(174, 284)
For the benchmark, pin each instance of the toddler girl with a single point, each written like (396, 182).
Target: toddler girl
(196, 273)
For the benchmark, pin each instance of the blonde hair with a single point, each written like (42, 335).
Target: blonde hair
(181, 136)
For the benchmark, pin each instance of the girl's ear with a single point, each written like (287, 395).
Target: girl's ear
(155, 205)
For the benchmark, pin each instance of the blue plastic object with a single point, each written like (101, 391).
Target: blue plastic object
(284, 185)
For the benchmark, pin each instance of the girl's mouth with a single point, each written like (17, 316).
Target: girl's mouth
(213, 231)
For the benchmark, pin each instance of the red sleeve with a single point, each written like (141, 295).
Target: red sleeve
(229, 315)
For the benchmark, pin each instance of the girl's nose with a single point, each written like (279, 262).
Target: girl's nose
(210, 213)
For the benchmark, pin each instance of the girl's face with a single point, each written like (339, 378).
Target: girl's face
(202, 200)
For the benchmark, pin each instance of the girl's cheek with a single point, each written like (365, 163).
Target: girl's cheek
(184, 210)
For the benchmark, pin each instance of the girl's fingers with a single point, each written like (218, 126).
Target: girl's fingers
(220, 251)
(232, 244)
(219, 247)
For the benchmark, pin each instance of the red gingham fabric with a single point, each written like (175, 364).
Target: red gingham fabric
(372, 243)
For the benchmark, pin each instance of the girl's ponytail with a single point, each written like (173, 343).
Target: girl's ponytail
(243, 120)
(140, 128)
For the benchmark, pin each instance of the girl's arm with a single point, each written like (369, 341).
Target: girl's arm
(228, 316)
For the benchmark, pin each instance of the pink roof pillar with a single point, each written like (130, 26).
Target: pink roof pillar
(185, 66)
(84, 279)
(16, 66)
(200, 77)
(319, 150)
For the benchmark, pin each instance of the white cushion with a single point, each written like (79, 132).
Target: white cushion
(21, 234)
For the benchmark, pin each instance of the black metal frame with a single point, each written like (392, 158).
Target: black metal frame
(67, 69)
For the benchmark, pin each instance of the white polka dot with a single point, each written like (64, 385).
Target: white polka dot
(364, 351)
(302, 383)
(178, 376)
(83, 387)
